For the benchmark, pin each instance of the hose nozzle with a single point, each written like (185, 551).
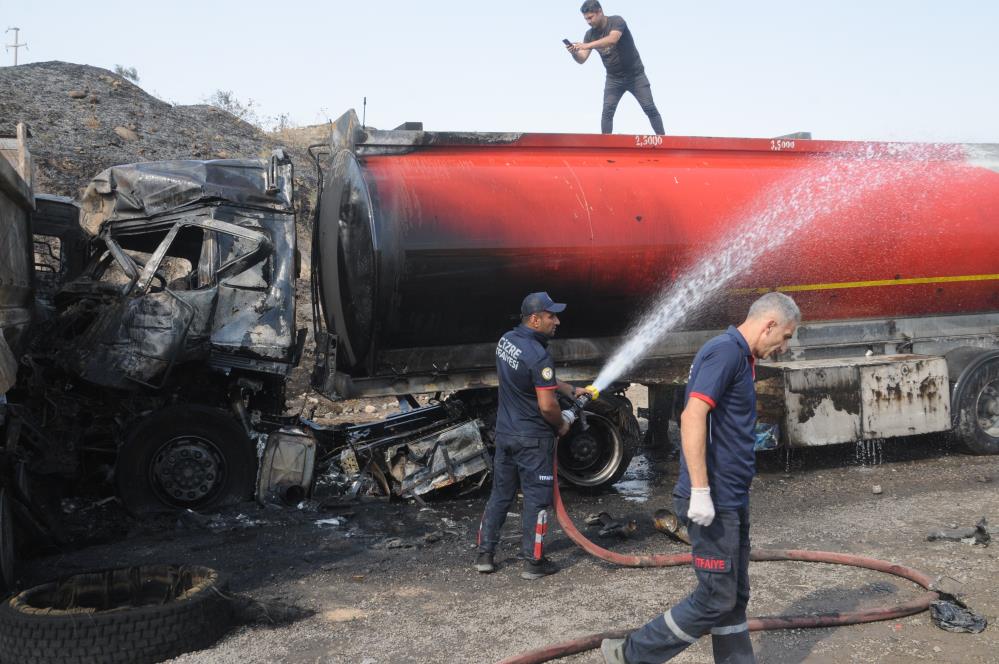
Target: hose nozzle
(591, 394)
(579, 403)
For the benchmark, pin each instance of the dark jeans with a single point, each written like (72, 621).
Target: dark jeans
(639, 86)
(527, 462)
(718, 604)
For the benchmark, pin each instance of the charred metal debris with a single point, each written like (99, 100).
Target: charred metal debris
(159, 355)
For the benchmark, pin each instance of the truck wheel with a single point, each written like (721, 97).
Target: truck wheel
(597, 458)
(977, 412)
(185, 457)
(121, 616)
(6, 542)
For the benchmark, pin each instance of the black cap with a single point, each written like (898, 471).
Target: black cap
(535, 303)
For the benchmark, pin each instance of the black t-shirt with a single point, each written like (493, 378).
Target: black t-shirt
(523, 365)
(620, 59)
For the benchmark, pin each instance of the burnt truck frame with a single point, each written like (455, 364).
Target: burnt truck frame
(163, 334)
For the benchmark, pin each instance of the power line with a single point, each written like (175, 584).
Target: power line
(15, 45)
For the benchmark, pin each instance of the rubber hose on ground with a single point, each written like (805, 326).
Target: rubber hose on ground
(831, 619)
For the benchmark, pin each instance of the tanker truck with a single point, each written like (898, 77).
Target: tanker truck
(162, 357)
(428, 240)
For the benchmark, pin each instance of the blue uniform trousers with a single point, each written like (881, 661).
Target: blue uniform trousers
(718, 604)
(527, 462)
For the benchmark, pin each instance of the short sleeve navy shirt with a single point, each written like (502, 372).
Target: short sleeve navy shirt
(722, 376)
(523, 365)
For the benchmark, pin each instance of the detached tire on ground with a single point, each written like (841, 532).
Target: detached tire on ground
(595, 459)
(130, 615)
(185, 457)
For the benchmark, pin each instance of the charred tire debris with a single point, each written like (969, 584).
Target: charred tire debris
(127, 615)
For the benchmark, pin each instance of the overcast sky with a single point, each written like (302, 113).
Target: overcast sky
(849, 69)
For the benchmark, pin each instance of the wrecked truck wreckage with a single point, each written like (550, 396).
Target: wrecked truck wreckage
(177, 333)
(161, 359)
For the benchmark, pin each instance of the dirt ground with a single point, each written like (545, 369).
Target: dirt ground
(393, 582)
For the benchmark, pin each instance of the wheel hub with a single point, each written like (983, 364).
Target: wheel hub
(187, 469)
(583, 451)
(988, 410)
(589, 458)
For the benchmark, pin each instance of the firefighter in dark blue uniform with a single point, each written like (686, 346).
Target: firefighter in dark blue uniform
(528, 422)
(717, 436)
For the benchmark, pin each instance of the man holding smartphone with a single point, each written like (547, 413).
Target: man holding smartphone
(610, 36)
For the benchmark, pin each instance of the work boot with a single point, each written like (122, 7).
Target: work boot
(535, 569)
(613, 651)
(484, 563)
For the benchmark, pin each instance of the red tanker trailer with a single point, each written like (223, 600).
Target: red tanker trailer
(425, 243)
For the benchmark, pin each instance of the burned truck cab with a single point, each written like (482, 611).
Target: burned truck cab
(202, 255)
(178, 328)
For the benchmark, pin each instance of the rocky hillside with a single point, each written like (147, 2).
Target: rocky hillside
(84, 119)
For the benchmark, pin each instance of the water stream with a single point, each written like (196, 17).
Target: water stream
(870, 452)
(827, 184)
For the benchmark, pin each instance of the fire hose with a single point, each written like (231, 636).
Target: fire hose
(830, 619)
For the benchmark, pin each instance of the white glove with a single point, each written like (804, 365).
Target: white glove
(568, 417)
(701, 510)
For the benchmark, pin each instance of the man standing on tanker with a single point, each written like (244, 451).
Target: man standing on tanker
(712, 492)
(612, 39)
(528, 421)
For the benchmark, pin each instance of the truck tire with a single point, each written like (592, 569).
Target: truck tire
(185, 457)
(7, 551)
(597, 458)
(120, 616)
(976, 408)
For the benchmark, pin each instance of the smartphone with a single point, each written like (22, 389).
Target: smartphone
(567, 42)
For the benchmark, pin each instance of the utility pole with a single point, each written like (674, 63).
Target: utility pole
(15, 45)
